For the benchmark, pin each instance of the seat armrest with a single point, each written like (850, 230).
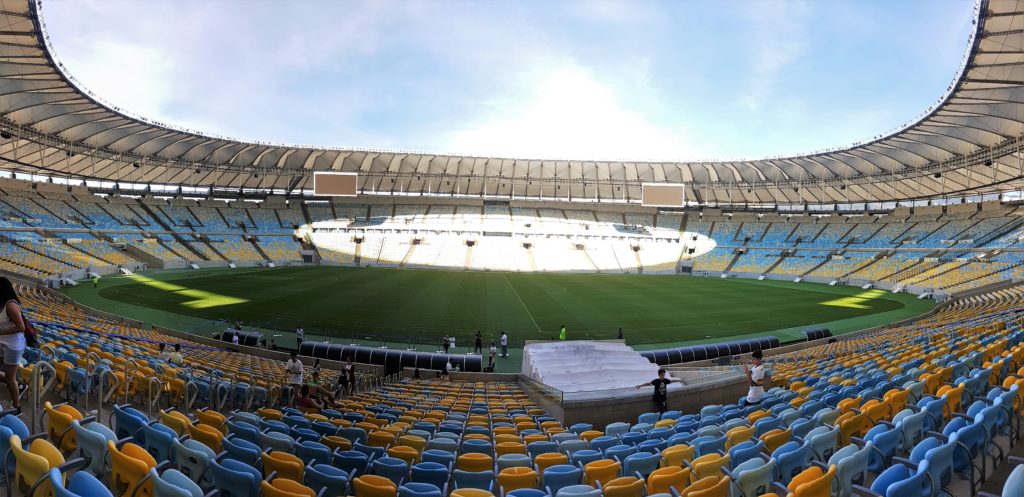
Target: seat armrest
(865, 492)
(72, 465)
(779, 488)
(905, 462)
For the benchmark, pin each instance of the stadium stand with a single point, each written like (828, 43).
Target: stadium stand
(927, 408)
(934, 253)
(935, 402)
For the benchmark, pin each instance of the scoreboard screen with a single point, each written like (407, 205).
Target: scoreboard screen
(663, 195)
(335, 184)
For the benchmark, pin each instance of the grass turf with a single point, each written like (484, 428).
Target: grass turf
(400, 303)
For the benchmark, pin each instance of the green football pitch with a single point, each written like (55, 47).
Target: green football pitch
(422, 305)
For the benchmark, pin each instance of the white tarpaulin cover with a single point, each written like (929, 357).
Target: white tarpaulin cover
(585, 366)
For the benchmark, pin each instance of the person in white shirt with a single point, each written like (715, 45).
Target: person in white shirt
(165, 355)
(300, 335)
(12, 339)
(504, 344)
(755, 377)
(234, 339)
(491, 353)
(294, 369)
(448, 367)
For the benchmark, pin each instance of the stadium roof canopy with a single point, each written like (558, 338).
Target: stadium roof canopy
(968, 143)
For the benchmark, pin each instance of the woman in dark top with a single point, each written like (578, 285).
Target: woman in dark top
(660, 385)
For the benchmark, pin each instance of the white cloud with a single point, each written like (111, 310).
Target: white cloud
(567, 112)
(135, 78)
(778, 38)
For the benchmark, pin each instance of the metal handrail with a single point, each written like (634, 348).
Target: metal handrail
(104, 397)
(153, 395)
(190, 398)
(39, 390)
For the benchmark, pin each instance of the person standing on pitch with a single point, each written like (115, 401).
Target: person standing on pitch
(478, 343)
(504, 344)
(660, 385)
(300, 335)
(561, 333)
(620, 333)
(445, 343)
(491, 357)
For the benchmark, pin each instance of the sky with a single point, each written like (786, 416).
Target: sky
(603, 79)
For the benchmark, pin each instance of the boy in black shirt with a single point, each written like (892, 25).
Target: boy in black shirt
(660, 385)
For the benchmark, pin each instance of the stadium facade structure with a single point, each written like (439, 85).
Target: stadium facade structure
(967, 144)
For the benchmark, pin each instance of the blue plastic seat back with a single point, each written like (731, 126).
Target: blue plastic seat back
(173, 483)
(560, 475)
(158, 440)
(392, 468)
(273, 425)
(482, 480)
(351, 461)
(935, 409)
(527, 492)
(193, 459)
(791, 458)
(92, 445)
(764, 425)
(620, 452)
(277, 441)
(652, 417)
(128, 421)
(414, 489)
(296, 421)
(80, 484)
(656, 446)
(939, 457)
(442, 443)
(244, 430)
(745, 451)
(541, 447)
(479, 446)
(629, 438)
(241, 450)
(324, 477)
(972, 436)
(708, 445)
(754, 477)
(884, 442)
(581, 427)
(851, 467)
(235, 479)
(443, 457)
(801, 427)
(313, 453)
(641, 462)
(430, 472)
